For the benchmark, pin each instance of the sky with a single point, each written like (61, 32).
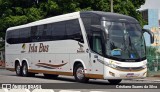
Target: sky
(151, 4)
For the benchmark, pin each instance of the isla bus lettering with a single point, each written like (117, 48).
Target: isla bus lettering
(42, 48)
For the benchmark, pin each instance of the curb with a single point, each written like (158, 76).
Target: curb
(1, 67)
(156, 80)
(141, 79)
(156, 76)
(151, 80)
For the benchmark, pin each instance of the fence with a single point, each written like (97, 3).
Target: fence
(153, 66)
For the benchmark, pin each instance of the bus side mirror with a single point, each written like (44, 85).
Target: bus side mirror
(150, 33)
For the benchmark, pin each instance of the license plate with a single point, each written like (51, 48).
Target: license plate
(130, 75)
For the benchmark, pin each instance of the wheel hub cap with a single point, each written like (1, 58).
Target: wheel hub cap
(80, 73)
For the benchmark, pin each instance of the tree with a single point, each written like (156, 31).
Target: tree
(129, 7)
(18, 12)
(151, 53)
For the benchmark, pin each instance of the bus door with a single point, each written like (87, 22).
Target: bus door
(96, 44)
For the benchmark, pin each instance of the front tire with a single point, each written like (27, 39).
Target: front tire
(18, 69)
(79, 74)
(114, 81)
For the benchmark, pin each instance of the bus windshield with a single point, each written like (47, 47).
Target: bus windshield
(125, 40)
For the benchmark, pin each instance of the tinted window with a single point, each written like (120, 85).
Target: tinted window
(34, 33)
(74, 31)
(88, 21)
(47, 32)
(97, 43)
(13, 36)
(39, 33)
(24, 35)
(96, 40)
(9, 37)
(58, 31)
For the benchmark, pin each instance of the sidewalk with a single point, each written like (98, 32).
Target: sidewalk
(2, 67)
(152, 79)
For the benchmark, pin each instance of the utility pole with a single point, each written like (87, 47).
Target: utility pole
(111, 5)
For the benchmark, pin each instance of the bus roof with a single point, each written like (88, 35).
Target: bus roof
(48, 20)
(108, 16)
(99, 14)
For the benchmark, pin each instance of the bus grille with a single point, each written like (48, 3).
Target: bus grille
(129, 68)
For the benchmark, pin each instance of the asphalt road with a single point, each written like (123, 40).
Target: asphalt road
(68, 83)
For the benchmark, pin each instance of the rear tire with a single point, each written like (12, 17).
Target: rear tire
(114, 81)
(25, 72)
(79, 74)
(18, 69)
(50, 75)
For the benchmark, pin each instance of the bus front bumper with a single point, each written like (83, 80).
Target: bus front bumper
(111, 73)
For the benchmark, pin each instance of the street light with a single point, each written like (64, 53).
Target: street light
(111, 5)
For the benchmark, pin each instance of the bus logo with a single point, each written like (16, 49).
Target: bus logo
(23, 47)
(81, 48)
(40, 48)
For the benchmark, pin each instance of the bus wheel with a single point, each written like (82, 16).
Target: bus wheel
(18, 69)
(25, 72)
(50, 75)
(114, 81)
(79, 74)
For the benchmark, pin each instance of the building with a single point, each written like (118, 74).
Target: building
(151, 16)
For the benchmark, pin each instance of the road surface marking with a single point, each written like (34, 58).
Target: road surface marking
(43, 90)
(19, 90)
(69, 91)
(3, 90)
(98, 91)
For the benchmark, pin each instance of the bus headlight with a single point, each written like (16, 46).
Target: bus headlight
(144, 66)
(110, 65)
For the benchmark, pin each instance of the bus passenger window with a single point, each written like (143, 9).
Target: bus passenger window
(95, 40)
(74, 31)
(97, 43)
(33, 33)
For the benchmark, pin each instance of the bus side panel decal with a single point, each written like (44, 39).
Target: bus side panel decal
(51, 72)
(50, 66)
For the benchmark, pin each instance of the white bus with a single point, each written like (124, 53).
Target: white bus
(86, 45)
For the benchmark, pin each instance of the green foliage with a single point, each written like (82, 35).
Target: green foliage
(15, 20)
(17, 12)
(129, 7)
(34, 14)
(151, 53)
